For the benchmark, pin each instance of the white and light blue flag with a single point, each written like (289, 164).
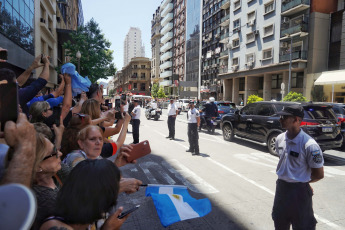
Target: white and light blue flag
(173, 203)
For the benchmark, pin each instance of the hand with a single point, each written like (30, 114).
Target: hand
(37, 62)
(68, 78)
(62, 79)
(312, 190)
(45, 60)
(109, 115)
(114, 223)
(121, 158)
(83, 97)
(58, 131)
(21, 133)
(129, 185)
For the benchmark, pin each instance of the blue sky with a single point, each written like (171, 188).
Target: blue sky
(115, 17)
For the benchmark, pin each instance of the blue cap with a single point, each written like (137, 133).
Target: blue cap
(54, 101)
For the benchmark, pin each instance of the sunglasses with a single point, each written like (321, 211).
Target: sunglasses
(54, 153)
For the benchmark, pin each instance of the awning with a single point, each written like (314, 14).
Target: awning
(331, 78)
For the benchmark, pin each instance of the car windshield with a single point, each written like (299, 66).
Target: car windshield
(339, 110)
(318, 112)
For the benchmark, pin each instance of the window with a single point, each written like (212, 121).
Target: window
(135, 75)
(265, 110)
(267, 54)
(268, 30)
(142, 86)
(249, 109)
(237, 24)
(269, 7)
(250, 37)
(242, 82)
(142, 75)
(235, 61)
(297, 80)
(277, 81)
(235, 43)
(237, 4)
(251, 16)
(250, 57)
(143, 66)
(135, 66)
(135, 85)
(261, 83)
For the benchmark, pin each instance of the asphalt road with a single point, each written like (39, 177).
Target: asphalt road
(238, 177)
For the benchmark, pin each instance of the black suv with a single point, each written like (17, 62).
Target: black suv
(259, 122)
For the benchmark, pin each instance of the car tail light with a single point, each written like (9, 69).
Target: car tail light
(305, 123)
(220, 111)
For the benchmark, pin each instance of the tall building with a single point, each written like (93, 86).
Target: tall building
(155, 46)
(166, 50)
(17, 33)
(179, 41)
(132, 46)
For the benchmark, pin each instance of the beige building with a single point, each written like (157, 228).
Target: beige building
(155, 46)
(135, 78)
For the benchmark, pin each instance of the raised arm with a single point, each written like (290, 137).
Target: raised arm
(26, 74)
(67, 100)
(45, 71)
(60, 89)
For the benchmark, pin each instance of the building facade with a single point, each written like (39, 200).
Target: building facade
(155, 46)
(132, 45)
(135, 78)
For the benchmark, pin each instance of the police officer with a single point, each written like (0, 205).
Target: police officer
(210, 111)
(136, 121)
(193, 117)
(301, 162)
(172, 113)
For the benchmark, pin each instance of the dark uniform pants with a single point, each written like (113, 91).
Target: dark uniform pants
(293, 205)
(193, 137)
(135, 130)
(171, 126)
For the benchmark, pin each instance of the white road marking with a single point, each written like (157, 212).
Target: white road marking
(149, 164)
(321, 219)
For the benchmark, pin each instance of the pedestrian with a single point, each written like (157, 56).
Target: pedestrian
(136, 121)
(172, 113)
(193, 117)
(301, 162)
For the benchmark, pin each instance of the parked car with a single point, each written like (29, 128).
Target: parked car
(339, 110)
(259, 122)
(225, 107)
(184, 104)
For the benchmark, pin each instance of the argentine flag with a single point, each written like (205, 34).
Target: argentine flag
(173, 203)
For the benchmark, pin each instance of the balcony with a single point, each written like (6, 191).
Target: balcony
(302, 27)
(167, 9)
(224, 54)
(167, 19)
(166, 74)
(166, 56)
(164, 3)
(224, 38)
(166, 47)
(167, 37)
(294, 7)
(166, 65)
(165, 83)
(225, 4)
(167, 28)
(225, 21)
(302, 54)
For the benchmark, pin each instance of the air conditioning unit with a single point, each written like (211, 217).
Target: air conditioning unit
(250, 64)
(234, 67)
(286, 20)
(229, 46)
(251, 22)
(256, 32)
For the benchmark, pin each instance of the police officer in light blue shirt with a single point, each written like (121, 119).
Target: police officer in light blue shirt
(300, 163)
(193, 117)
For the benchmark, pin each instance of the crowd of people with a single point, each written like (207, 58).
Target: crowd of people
(57, 147)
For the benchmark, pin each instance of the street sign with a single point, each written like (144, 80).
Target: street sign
(282, 92)
(282, 86)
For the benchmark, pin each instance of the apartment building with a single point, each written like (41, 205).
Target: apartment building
(135, 78)
(215, 21)
(118, 82)
(132, 46)
(166, 50)
(17, 33)
(179, 40)
(155, 46)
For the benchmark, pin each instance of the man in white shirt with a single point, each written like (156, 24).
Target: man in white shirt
(172, 113)
(193, 117)
(136, 121)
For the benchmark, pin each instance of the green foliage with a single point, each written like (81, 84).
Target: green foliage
(317, 94)
(112, 92)
(96, 57)
(293, 96)
(154, 90)
(254, 98)
(161, 93)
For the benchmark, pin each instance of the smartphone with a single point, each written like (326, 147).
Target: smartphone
(118, 104)
(139, 150)
(9, 105)
(123, 214)
(3, 55)
(123, 99)
(42, 55)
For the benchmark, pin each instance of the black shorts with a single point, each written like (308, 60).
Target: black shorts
(293, 205)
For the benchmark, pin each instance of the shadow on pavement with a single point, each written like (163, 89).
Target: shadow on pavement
(180, 140)
(153, 169)
(331, 160)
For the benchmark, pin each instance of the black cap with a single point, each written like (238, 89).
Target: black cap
(191, 102)
(292, 110)
(136, 100)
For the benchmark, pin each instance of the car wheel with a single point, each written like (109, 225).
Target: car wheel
(228, 132)
(271, 144)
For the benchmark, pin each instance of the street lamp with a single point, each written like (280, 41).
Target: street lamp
(78, 56)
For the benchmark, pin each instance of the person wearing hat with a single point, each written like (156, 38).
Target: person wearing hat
(136, 121)
(172, 114)
(300, 163)
(193, 117)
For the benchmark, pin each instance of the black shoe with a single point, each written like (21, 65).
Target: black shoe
(189, 151)
(196, 153)
(168, 137)
(172, 138)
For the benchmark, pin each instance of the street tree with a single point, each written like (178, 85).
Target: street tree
(254, 98)
(293, 96)
(161, 93)
(154, 90)
(96, 57)
(112, 92)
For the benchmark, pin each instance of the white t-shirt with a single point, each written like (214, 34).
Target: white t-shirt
(125, 107)
(192, 115)
(297, 157)
(136, 111)
(153, 105)
(172, 109)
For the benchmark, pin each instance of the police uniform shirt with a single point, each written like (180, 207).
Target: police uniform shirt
(172, 109)
(192, 115)
(136, 111)
(297, 157)
(154, 105)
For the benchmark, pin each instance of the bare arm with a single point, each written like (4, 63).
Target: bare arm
(26, 74)
(77, 108)
(122, 137)
(67, 100)
(60, 89)
(110, 131)
(198, 121)
(316, 174)
(45, 71)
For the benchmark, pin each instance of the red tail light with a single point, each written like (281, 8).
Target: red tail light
(305, 123)
(220, 111)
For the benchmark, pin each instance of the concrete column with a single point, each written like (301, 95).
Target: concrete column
(267, 94)
(227, 90)
(235, 86)
(286, 82)
(251, 87)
